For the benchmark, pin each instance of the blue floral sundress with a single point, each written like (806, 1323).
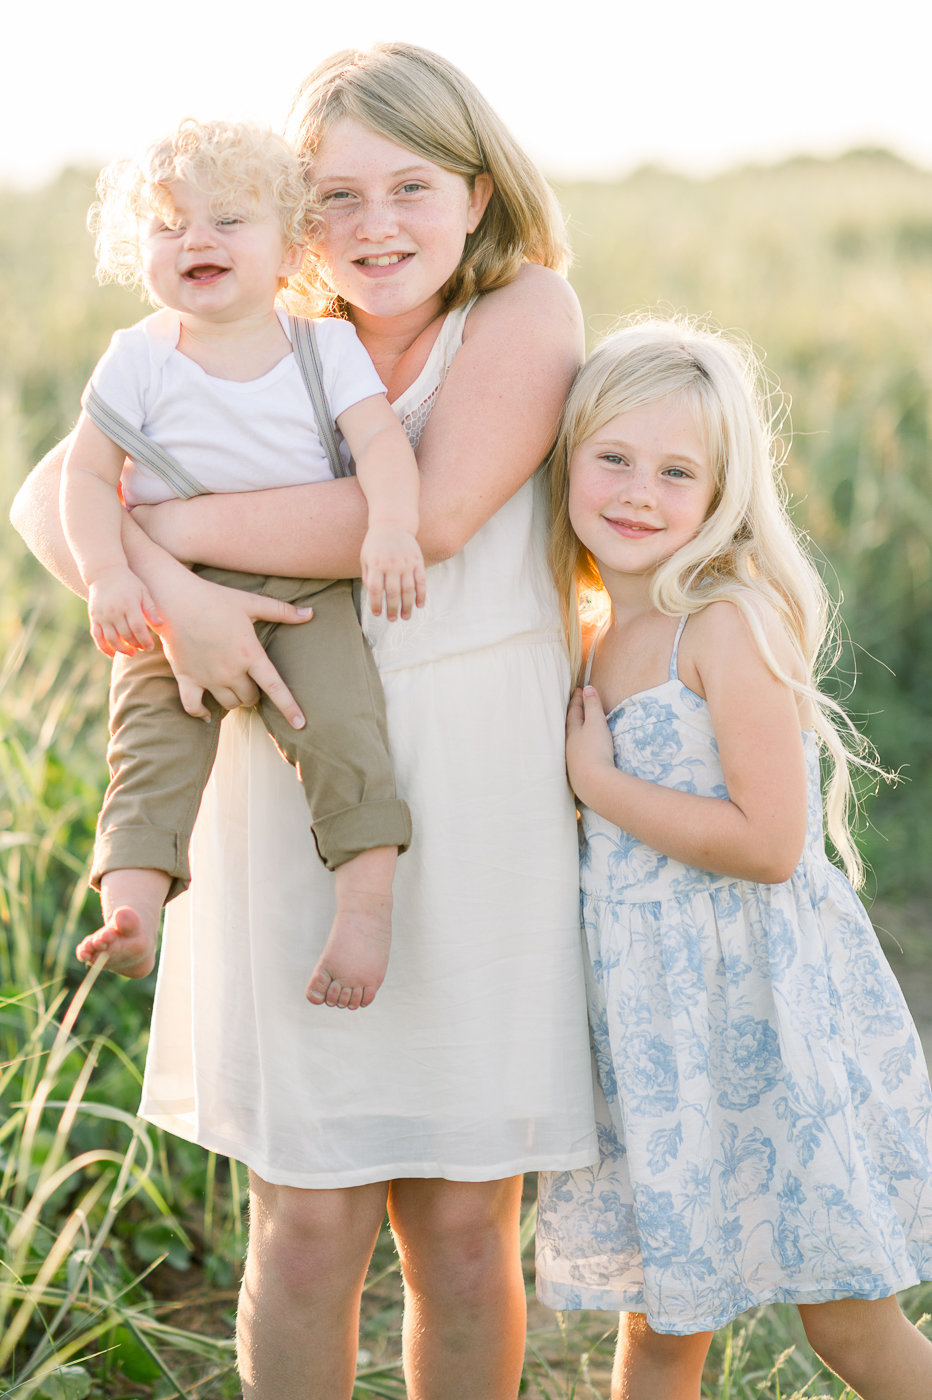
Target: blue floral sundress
(763, 1104)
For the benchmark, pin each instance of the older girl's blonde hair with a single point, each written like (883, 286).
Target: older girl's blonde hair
(422, 102)
(747, 548)
(235, 163)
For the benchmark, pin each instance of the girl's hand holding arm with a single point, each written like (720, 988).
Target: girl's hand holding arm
(492, 425)
(214, 646)
(208, 633)
(758, 832)
(392, 563)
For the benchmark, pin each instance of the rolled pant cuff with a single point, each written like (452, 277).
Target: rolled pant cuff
(343, 835)
(141, 848)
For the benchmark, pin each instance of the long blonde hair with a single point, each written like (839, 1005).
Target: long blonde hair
(420, 101)
(747, 548)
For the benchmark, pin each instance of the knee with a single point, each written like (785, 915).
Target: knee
(459, 1237)
(305, 1237)
(841, 1332)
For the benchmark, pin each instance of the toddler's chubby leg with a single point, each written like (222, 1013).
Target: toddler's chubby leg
(131, 903)
(354, 961)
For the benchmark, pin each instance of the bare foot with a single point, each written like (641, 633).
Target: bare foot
(131, 901)
(128, 947)
(352, 966)
(354, 961)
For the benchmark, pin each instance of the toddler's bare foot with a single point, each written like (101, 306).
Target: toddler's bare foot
(131, 901)
(354, 961)
(352, 966)
(128, 946)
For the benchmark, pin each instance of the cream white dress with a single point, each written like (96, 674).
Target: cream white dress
(473, 1061)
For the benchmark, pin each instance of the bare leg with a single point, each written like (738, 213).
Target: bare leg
(650, 1365)
(298, 1319)
(465, 1306)
(872, 1347)
(131, 903)
(353, 964)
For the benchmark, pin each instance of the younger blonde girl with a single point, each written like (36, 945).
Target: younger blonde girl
(765, 1115)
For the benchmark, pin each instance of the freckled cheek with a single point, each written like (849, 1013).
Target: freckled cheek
(584, 504)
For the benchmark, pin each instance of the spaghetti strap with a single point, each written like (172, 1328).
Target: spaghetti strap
(589, 659)
(674, 673)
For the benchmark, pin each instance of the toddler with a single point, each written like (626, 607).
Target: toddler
(220, 390)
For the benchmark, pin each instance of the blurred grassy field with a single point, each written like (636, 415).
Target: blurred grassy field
(121, 1248)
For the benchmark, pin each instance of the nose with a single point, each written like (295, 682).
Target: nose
(376, 220)
(199, 235)
(637, 486)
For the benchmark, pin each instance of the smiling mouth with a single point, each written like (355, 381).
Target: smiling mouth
(383, 260)
(636, 526)
(205, 272)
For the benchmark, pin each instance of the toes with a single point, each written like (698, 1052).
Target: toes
(318, 988)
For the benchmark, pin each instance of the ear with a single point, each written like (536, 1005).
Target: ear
(292, 258)
(479, 197)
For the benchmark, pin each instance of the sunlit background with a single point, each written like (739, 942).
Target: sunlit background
(694, 86)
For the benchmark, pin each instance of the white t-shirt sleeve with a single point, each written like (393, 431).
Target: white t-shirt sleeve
(127, 375)
(349, 374)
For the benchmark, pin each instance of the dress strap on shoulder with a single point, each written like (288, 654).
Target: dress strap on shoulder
(674, 673)
(591, 657)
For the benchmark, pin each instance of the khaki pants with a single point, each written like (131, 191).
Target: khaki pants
(160, 757)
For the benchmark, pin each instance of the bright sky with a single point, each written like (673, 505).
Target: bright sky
(697, 85)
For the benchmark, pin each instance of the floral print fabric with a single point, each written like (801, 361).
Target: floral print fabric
(764, 1109)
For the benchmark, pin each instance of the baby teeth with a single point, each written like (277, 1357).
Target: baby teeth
(386, 260)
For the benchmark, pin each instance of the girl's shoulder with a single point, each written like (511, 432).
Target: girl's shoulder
(743, 630)
(537, 298)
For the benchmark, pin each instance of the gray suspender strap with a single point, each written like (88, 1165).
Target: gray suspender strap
(304, 345)
(143, 450)
(147, 453)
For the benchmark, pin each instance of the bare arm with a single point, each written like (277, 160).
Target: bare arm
(208, 633)
(35, 515)
(392, 563)
(119, 604)
(492, 425)
(758, 832)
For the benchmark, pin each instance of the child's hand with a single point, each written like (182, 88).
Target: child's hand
(393, 568)
(121, 611)
(589, 747)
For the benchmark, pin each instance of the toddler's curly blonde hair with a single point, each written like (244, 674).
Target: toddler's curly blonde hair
(233, 162)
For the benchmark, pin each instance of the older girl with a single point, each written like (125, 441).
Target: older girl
(442, 244)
